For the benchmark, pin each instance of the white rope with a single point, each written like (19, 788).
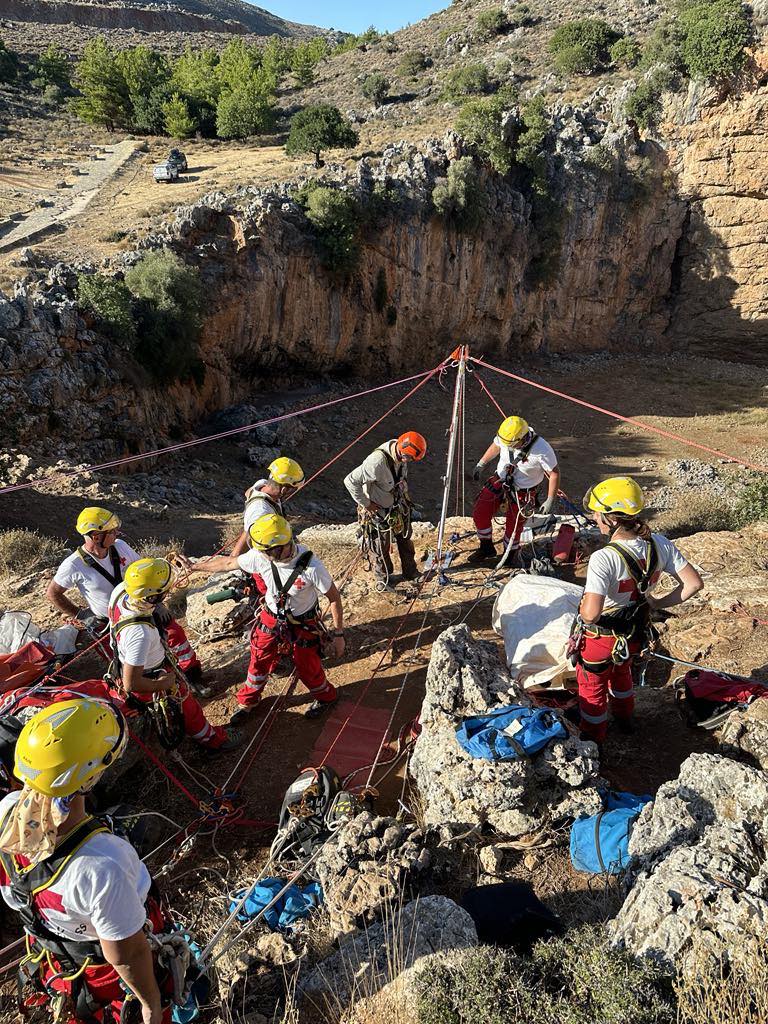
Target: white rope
(256, 735)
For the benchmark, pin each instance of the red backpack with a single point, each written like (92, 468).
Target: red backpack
(710, 697)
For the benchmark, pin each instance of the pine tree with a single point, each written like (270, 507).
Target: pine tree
(103, 93)
(244, 111)
(178, 121)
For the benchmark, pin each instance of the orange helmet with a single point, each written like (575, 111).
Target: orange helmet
(412, 445)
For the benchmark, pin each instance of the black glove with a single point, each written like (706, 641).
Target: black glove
(477, 471)
(161, 615)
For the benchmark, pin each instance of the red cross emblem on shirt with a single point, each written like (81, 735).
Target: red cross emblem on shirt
(123, 560)
(630, 587)
(299, 584)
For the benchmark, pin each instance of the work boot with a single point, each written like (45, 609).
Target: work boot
(194, 676)
(513, 559)
(319, 707)
(233, 738)
(484, 553)
(244, 712)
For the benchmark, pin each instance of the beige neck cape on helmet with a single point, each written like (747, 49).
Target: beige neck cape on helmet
(32, 827)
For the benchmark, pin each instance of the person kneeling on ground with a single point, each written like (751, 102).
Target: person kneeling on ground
(289, 621)
(524, 460)
(267, 495)
(614, 615)
(83, 895)
(138, 642)
(379, 487)
(96, 568)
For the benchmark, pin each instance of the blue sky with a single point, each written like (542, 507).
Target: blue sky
(354, 17)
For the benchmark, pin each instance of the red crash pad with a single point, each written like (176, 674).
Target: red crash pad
(359, 742)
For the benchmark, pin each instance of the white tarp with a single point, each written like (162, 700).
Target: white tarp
(17, 629)
(534, 614)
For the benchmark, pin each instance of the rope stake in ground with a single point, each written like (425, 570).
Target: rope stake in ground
(210, 437)
(624, 419)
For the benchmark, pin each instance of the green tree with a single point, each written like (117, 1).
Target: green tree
(375, 88)
(237, 62)
(714, 35)
(147, 75)
(9, 65)
(625, 52)
(103, 91)
(530, 149)
(195, 78)
(303, 66)
(177, 118)
(643, 106)
(461, 197)
(244, 111)
(148, 111)
(317, 128)
(109, 301)
(467, 80)
(276, 58)
(480, 123)
(582, 46)
(52, 68)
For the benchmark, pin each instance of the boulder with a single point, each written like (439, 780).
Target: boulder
(745, 734)
(212, 621)
(364, 865)
(465, 678)
(700, 863)
(368, 960)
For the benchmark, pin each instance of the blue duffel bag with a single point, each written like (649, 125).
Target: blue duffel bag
(600, 843)
(511, 732)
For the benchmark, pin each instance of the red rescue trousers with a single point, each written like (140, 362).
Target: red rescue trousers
(489, 501)
(180, 646)
(596, 689)
(266, 649)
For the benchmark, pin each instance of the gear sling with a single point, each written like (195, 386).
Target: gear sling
(50, 957)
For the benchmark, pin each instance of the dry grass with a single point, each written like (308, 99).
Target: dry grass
(699, 513)
(151, 547)
(724, 988)
(26, 551)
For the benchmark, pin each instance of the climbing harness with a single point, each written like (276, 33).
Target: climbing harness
(115, 576)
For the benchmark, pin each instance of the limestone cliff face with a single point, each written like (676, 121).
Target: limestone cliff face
(720, 158)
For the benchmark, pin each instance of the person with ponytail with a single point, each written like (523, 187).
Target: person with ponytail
(613, 624)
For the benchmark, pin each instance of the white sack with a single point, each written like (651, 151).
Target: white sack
(17, 629)
(534, 614)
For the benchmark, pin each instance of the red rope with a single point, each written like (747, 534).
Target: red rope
(330, 462)
(482, 384)
(739, 608)
(159, 764)
(211, 437)
(624, 419)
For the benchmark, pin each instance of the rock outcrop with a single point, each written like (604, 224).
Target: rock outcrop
(363, 867)
(700, 863)
(466, 678)
(745, 735)
(370, 959)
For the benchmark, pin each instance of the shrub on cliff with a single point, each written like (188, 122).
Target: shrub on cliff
(375, 88)
(336, 219)
(9, 65)
(412, 63)
(753, 502)
(109, 301)
(575, 980)
(582, 46)
(491, 22)
(466, 80)
(168, 314)
(317, 128)
(480, 123)
(643, 106)
(461, 197)
(713, 37)
(625, 52)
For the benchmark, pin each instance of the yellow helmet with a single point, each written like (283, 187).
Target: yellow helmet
(514, 428)
(148, 577)
(63, 748)
(96, 520)
(620, 495)
(287, 472)
(270, 531)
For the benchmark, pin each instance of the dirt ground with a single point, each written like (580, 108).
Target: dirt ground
(716, 404)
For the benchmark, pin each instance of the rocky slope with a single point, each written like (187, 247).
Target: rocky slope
(232, 16)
